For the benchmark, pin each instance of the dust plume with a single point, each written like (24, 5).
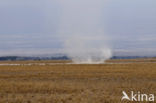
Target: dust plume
(82, 29)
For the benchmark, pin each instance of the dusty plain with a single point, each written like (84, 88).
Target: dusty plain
(49, 82)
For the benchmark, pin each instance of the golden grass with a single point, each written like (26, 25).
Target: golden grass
(81, 83)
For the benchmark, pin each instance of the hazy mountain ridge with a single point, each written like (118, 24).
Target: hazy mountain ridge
(61, 57)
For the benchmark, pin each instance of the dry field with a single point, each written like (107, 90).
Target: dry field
(75, 83)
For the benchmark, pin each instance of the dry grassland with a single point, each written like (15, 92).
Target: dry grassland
(75, 83)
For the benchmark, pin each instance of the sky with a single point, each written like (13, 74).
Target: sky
(30, 27)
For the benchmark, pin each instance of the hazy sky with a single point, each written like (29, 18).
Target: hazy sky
(30, 26)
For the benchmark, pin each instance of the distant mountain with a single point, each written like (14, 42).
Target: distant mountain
(19, 58)
(130, 57)
(61, 57)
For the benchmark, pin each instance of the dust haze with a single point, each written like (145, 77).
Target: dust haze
(82, 28)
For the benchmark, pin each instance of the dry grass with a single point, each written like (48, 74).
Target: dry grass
(101, 83)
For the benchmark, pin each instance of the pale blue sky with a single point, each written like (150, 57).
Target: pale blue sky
(30, 26)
